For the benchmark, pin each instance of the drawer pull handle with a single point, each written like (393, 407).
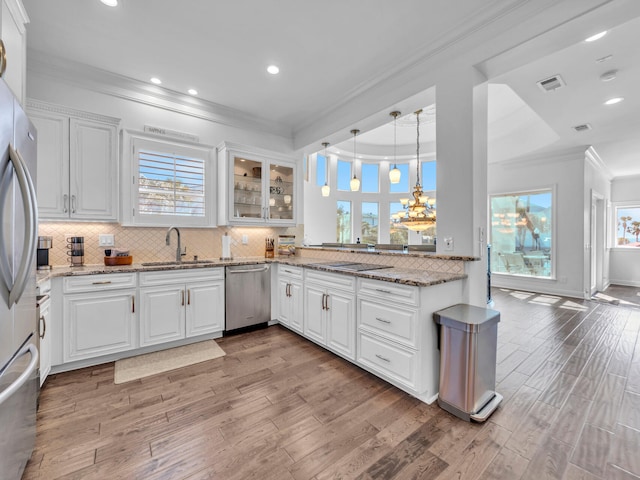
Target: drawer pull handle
(105, 282)
(288, 271)
(382, 290)
(43, 323)
(384, 359)
(383, 320)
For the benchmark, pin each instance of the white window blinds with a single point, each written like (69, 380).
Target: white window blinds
(170, 184)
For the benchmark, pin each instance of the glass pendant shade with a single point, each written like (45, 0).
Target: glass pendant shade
(326, 190)
(394, 174)
(354, 184)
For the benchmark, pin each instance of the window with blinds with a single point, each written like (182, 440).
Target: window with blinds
(170, 184)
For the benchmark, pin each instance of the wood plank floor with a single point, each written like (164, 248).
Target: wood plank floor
(279, 407)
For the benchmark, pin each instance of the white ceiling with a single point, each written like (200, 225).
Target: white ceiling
(343, 62)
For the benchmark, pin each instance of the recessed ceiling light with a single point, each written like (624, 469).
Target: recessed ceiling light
(273, 69)
(192, 91)
(613, 101)
(156, 80)
(595, 37)
(110, 3)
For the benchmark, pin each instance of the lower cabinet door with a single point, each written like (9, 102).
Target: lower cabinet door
(296, 303)
(205, 308)
(341, 324)
(284, 302)
(98, 323)
(314, 314)
(162, 314)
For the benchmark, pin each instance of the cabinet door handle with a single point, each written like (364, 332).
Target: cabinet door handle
(73, 204)
(384, 359)
(189, 297)
(382, 290)
(65, 203)
(383, 320)
(323, 297)
(327, 302)
(43, 322)
(133, 304)
(182, 298)
(104, 282)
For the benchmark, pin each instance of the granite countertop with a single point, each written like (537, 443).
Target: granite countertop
(421, 254)
(405, 276)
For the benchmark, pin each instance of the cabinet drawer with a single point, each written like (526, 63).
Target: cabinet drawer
(392, 361)
(389, 321)
(289, 271)
(188, 275)
(332, 280)
(394, 292)
(89, 283)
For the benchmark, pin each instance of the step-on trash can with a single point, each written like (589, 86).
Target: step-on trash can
(467, 339)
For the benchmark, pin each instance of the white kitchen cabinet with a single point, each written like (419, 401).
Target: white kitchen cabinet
(396, 334)
(256, 187)
(77, 163)
(290, 297)
(44, 322)
(181, 303)
(330, 311)
(99, 315)
(13, 32)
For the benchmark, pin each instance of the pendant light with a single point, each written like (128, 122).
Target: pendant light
(354, 183)
(394, 173)
(420, 211)
(326, 189)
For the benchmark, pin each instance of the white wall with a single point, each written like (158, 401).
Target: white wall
(135, 115)
(625, 263)
(564, 173)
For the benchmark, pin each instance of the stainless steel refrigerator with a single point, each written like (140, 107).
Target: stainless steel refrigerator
(19, 372)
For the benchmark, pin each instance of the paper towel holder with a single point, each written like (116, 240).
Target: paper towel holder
(228, 255)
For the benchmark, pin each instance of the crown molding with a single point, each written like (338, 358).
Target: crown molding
(594, 159)
(542, 158)
(19, 14)
(120, 86)
(71, 112)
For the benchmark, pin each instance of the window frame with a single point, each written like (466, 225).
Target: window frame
(552, 225)
(613, 230)
(137, 141)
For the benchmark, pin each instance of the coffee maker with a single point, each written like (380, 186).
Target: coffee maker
(44, 245)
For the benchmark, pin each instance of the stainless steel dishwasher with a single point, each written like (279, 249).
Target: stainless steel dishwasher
(248, 296)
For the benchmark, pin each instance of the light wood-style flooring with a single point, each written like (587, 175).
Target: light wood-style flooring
(279, 407)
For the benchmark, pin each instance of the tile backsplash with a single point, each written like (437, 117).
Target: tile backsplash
(147, 244)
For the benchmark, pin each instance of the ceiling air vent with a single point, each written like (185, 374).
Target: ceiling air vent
(583, 127)
(552, 83)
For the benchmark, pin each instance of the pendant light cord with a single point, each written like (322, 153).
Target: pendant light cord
(418, 146)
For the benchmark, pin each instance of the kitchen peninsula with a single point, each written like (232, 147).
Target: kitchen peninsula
(371, 308)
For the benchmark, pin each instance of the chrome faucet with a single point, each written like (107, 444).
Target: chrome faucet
(168, 240)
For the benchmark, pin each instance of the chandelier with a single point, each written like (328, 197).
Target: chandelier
(420, 212)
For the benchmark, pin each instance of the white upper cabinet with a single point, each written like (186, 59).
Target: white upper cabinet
(257, 187)
(13, 20)
(77, 164)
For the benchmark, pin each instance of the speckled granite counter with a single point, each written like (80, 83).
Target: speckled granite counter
(401, 275)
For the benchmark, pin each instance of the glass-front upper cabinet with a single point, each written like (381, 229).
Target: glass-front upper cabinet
(260, 189)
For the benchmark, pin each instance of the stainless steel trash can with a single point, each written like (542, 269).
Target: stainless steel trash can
(467, 340)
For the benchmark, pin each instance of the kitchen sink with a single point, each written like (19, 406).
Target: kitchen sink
(169, 264)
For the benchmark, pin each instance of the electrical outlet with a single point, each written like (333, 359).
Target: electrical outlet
(448, 244)
(245, 239)
(106, 240)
